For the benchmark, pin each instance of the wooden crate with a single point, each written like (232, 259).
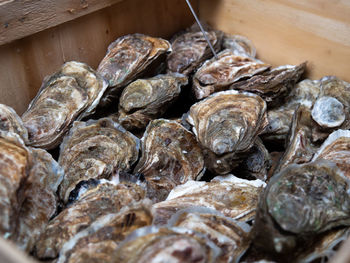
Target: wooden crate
(38, 36)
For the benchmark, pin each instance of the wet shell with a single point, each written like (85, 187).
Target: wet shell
(94, 149)
(15, 163)
(11, 122)
(218, 74)
(231, 236)
(147, 99)
(240, 45)
(97, 242)
(234, 197)
(63, 97)
(39, 197)
(170, 156)
(175, 245)
(126, 58)
(300, 202)
(107, 197)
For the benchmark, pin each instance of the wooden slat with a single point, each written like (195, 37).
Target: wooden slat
(23, 18)
(289, 32)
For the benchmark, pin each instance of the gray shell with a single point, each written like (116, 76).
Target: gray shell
(11, 122)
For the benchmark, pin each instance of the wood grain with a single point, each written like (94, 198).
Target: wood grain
(290, 32)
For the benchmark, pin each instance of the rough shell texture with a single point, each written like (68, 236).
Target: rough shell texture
(240, 45)
(190, 49)
(11, 122)
(218, 74)
(170, 156)
(39, 197)
(300, 202)
(94, 149)
(66, 96)
(103, 199)
(231, 236)
(126, 58)
(97, 242)
(173, 245)
(147, 99)
(234, 197)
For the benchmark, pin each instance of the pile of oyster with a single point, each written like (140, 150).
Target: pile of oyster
(168, 154)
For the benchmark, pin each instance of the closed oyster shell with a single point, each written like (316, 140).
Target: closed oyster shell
(170, 156)
(66, 96)
(231, 236)
(219, 73)
(107, 197)
(147, 99)
(240, 45)
(173, 245)
(11, 122)
(94, 149)
(234, 197)
(126, 58)
(39, 197)
(299, 203)
(97, 242)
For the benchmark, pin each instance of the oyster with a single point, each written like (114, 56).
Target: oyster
(299, 203)
(126, 58)
(231, 236)
(240, 45)
(97, 242)
(15, 163)
(107, 197)
(147, 99)
(170, 156)
(39, 197)
(173, 245)
(66, 96)
(94, 149)
(218, 74)
(234, 197)
(227, 124)
(11, 122)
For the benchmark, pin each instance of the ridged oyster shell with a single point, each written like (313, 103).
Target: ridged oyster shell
(107, 197)
(94, 149)
(147, 99)
(234, 197)
(11, 122)
(101, 238)
(126, 58)
(299, 203)
(218, 74)
(170, 156)
(239, 45)
(68, 95)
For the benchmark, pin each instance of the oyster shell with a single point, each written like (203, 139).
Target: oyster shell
(218, 74)
(97, 242)
(170, 156)
(126, 58)
(227, 124)
(66, 96)
(234, 197)
(39, 197)
(240, 45)
(147, 99)
(107, 197)
(173, 245)
(231, 236)
(15, 164)
(94, 149)
(299, 203)
(11, 122)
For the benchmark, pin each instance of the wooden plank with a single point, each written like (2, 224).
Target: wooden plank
(23, 18)
(289, 32)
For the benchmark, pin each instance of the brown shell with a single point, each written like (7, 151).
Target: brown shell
(94, 149)
(147, 99)
(11, 122)
(103, 199)
(126, 58)
(218, 74)
(170, 156)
